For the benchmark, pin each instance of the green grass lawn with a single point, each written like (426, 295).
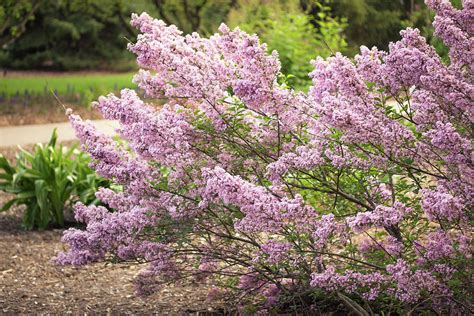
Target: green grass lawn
(94, 83)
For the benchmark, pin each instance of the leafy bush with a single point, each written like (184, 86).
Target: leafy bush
(357, 194)
(286, 29)
(47, 180)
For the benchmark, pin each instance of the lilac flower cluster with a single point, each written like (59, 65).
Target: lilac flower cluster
(364, 186)
(350, 282)
(381, 216)
(276, 251)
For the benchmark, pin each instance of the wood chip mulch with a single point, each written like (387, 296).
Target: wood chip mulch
(31, 284)
(17, 114)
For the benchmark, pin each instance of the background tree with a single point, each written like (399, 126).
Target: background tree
(14, 14)
(203, 16)
(377, 23)
(76, 34)
(73, 35)
(372, 22)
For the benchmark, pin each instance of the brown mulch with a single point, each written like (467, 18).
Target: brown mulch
(31, 284)
(41, 114)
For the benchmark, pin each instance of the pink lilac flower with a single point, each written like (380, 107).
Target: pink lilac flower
(381, 216)
(350, 282)
(440, 205)
(410, 284)
(276, 251)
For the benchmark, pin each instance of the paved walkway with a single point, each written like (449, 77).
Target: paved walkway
(32, 134)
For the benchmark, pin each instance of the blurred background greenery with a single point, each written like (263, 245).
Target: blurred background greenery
(92, 35)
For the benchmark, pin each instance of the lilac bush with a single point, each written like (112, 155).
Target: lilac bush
(358, 192)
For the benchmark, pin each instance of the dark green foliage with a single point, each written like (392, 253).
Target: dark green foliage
(76, 34)
(288, 30)
(371, 22)
(47, 181)
(92, 34)
(14, 15)
(202, 16)
(378, 22)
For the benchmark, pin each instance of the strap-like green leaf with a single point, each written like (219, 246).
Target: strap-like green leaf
(54, 138)
(42, 198)
(7, 205)
(41, 194)
(5, 165)
(26, 194)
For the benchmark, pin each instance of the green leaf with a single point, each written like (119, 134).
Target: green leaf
(7, 205)
(42, 198)
(30, 215)
(70, 151)
(26, 194)
(32, 174)
(6, 176)
(54, 138)
(5, 165)
(41, 192)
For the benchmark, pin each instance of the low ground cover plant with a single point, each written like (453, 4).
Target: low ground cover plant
(282, 200)
(47, 181)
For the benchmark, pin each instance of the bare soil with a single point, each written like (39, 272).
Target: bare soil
(31, 284)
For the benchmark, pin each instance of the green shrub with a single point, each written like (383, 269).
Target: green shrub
(47, 181)
(284, 27)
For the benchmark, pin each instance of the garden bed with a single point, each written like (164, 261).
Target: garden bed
(31, 283)
(13, 115)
